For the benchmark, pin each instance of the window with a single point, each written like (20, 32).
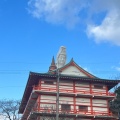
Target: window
(98, 86)
(49, 82)
(65, 107)
(83, 108)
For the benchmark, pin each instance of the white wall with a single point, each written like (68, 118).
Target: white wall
(72, 70)
(100, 105)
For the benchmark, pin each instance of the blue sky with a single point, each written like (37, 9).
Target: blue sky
(32, 31)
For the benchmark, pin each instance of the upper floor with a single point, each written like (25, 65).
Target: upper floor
(70, 87)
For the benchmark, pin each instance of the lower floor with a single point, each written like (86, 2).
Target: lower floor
(43, 107)
(46, 116)
(62, 118)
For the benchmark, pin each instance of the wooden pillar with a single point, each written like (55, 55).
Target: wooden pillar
(106, 90)
(39, 96)
(74, 98)
(108, 111)
(91, 104)
(39, 84)
(107, 100)
(90, 85)
(38, 103)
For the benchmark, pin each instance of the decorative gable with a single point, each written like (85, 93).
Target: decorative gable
(75, 70)
(72, 70)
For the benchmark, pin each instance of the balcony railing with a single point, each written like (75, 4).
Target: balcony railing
(75, 91)
(49, 106)
(71, 111)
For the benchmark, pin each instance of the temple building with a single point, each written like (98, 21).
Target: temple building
(69, 90)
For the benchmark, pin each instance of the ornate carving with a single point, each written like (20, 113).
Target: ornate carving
(61, 57)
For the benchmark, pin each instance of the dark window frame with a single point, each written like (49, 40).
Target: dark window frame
(98, 86)
(83, 108)
(49, 82)
(65, 107)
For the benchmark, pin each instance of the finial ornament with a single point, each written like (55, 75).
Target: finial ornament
(61, 57)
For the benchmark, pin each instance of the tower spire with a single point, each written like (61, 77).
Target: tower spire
(52, 66)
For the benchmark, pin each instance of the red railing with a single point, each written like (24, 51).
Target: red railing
(72, 111)
(49, 106)
(75, 91)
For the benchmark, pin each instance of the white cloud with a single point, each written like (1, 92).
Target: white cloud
(108, 31)
(57, 11)
(71, 12)
(116, 68)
